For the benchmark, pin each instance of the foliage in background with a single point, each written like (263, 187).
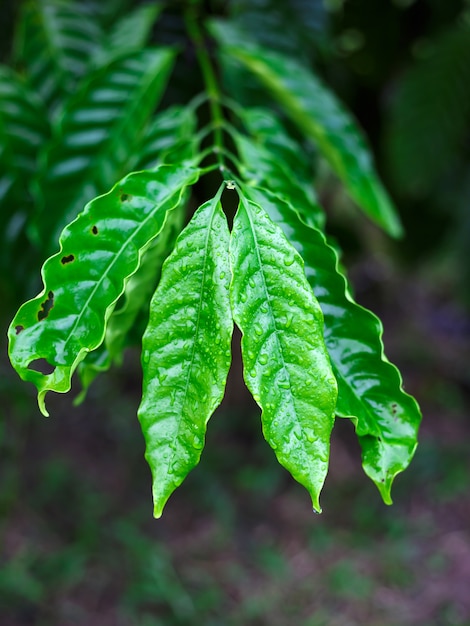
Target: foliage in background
(95, 86)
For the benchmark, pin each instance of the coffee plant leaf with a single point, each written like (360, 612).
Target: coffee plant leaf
(370, 390)
(186, 350)
(285, 362)
(99, 251)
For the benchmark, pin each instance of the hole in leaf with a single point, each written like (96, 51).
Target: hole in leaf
(46, 306)
(394, 408)
(19, 329)
(42, 366)
(125, 197)
(94, 230)
(67, 259)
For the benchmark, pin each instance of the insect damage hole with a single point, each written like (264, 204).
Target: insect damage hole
(67, 259)
(125, 197)
(42, 366)
(94, 230)
(46, 306)
(19, 329)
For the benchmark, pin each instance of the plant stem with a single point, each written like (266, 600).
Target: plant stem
(213, 94)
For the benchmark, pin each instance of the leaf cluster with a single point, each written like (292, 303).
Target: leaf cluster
(129, 268)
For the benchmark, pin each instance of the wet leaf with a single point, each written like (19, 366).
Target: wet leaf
(100, 250)
(286, 366)
(186, 350)
(370, 389)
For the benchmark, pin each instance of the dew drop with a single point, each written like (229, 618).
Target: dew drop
(174, 468)
(310, 434)
(289, 320)
(243, 297)
(253, 373)
(251, 354)
(198, 443)
(263, 359)
(222, 275)
(146, 356)
(252, 283)
(284, 384)
(258, 330)
(289, 259)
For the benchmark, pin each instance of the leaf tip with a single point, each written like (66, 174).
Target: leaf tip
(316, 504)
(42, 403)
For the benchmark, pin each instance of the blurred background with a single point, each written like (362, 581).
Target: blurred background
(238, 543)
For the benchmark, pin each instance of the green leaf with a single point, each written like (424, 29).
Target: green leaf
(286, 366)
(369, 387)
(130, 34)
(54, 42)
(322, 118)
(101, 127)
(186, 350)
(100, 250)
(135, 302)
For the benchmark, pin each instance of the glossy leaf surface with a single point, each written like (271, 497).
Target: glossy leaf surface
(322, 118)
(286, 365)
(99, 131)
(133, 303)
(55, 41)
(186, 350)
(100, 250)
(369, 386)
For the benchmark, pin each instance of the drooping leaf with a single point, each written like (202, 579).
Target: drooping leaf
(370, 389)
(135, 302)
(186, 350)
(54, 42)
(286, 366)
(100, 250)
(322, 118)
(129, 34)
(100, 129)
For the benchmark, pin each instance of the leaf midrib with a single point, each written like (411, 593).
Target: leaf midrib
(268, 301)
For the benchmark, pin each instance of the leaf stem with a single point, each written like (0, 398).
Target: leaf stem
(212, 89)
